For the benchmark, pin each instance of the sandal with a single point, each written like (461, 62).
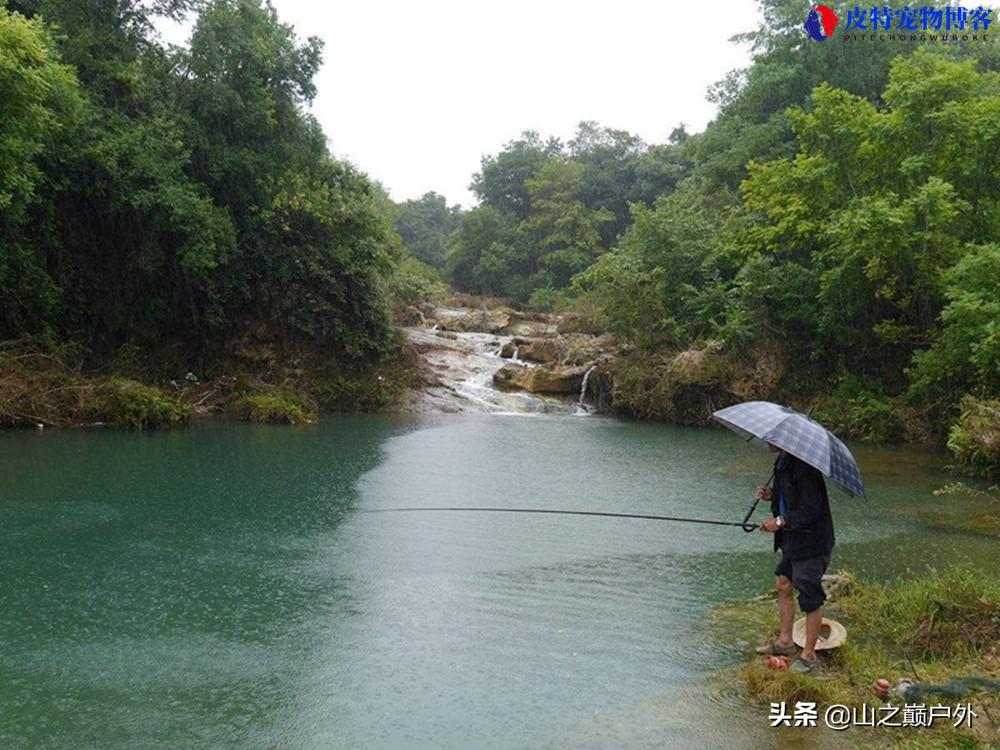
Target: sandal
(802, 666)
(773, 649)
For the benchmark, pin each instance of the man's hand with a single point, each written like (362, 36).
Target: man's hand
(770, 525)
(764, 492)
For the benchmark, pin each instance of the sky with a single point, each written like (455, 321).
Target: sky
(416, 92)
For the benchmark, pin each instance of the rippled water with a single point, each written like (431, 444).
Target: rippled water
(217, 588)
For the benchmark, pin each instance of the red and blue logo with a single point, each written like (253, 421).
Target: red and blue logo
(821, 23)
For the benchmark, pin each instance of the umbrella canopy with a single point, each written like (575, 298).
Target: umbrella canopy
(798, 434)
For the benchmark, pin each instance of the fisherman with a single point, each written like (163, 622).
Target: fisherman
(803, 531)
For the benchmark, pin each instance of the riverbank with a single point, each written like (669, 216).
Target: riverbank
(466, 354)
(932, 630)
(46, 384)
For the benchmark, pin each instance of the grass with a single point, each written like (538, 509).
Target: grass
(929, 629)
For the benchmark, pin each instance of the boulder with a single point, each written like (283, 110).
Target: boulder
(474, 320)
(541, 379)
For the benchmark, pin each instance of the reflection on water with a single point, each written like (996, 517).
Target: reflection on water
(215, 588)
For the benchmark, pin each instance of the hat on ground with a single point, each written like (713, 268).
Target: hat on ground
(831, 634)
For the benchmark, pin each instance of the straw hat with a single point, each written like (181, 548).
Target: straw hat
(831, 634)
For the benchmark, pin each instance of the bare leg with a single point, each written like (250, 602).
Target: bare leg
(786, 607)
(814, 621)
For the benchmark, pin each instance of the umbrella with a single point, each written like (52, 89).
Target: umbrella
(798, 434)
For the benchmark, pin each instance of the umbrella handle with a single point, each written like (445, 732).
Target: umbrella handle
(747, 526)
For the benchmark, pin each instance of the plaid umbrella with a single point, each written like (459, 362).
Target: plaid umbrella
(798, 434)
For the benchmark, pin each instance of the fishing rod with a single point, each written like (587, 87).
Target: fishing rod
(744, 524)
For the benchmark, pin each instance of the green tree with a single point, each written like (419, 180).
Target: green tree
(501, 180)
(566, 233)
(38, 102)
(424, 225)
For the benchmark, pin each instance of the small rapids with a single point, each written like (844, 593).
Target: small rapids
(464, 363)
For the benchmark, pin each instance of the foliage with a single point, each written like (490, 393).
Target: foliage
(179, 193)
(548, 210)
(424, 225)
(661, 286)
(862, 239)
(273, 405)
(966, 355)
(412, 282)
(39, 100)
(130, 405)
(975, 437)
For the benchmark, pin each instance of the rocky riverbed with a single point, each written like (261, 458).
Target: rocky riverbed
(502, 361)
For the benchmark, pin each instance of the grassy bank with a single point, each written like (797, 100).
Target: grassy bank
(931, 630)
(57, 384)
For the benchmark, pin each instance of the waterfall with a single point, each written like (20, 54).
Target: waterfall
(513, 357)
(583, 385)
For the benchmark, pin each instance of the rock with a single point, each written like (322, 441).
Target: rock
(540, 379)
(473, 320)
(552, 350)
(411, 316)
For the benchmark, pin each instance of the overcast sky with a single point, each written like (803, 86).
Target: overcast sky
(415, 92)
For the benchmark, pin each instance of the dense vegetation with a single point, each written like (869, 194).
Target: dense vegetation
(843, 207)
(158, 199)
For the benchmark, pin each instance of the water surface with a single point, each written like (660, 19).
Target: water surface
(216, 587)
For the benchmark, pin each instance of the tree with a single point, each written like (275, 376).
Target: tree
(565, 232)
(38, 101)
(500, 182)
(424, 226)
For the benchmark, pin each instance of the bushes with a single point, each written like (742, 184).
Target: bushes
(42, 384)
(412, 282)
(274, 405)
(130, 405)
(975, 437)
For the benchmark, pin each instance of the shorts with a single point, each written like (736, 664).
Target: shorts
(807, 577)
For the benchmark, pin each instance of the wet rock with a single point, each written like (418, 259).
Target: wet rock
(557, 350)
(484, 321)
(541, 379)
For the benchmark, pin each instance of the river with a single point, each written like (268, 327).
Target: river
(216, 587)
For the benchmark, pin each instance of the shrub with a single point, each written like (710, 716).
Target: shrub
(273, 405)
(975, 437)
(134, 406)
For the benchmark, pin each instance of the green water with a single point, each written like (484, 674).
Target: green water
(215, 588)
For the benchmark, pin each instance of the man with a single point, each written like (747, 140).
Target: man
(803, 531)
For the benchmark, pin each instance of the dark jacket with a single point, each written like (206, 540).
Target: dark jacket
(806, 507)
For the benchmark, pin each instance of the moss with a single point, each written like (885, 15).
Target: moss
(975, 438)
(929, 629)
(130, 405)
